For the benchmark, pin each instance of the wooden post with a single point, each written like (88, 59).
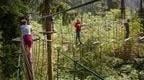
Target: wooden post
(123, 9)
(141, 14)
(109, 4)
(47, 26)
(141, 6)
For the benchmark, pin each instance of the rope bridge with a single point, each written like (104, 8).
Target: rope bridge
(24, 70)
(73, 69)
(38, 69)
(66, 63)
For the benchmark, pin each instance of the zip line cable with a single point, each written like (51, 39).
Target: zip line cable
(78, 6)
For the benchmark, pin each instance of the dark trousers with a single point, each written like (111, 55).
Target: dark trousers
(127, 31)
(78, 37)
(126, 34)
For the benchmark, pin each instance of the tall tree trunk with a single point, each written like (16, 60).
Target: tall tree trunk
(47, 25)
(141, 6)
(109, 4)
(123, 9)
(141, 14)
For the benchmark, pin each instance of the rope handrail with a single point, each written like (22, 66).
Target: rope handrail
(85, 67)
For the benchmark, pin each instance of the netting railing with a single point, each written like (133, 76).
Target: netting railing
(40, 63)
(69, 67)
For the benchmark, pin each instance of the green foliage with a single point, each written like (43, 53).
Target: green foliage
(9, 60)
(10, 11)
(103, 41)
(102, 37)
(68, 17)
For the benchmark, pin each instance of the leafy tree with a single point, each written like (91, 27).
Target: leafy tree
(10, 10)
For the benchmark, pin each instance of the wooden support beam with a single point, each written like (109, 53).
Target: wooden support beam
(18, 39)
(48, 32)
(48, 28)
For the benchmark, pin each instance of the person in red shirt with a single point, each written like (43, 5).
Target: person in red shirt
(77, 26)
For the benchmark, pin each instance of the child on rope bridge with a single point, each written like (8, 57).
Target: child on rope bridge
(78, 26)
(27, 37)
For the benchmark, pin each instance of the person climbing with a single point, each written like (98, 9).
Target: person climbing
(27, 37)
(127, 31)
(78, 26)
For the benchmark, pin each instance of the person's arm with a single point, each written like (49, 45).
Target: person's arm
(83, 25)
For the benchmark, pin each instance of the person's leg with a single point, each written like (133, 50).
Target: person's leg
(127, 31)
(79, 38)
(76, 40)
(26, 50)
(28, 43)
(30, 54)
(126, 34)
(30, 47)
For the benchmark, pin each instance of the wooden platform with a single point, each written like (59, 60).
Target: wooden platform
(141, 39)
(49, 32)
(18, 39)
(18, 52)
